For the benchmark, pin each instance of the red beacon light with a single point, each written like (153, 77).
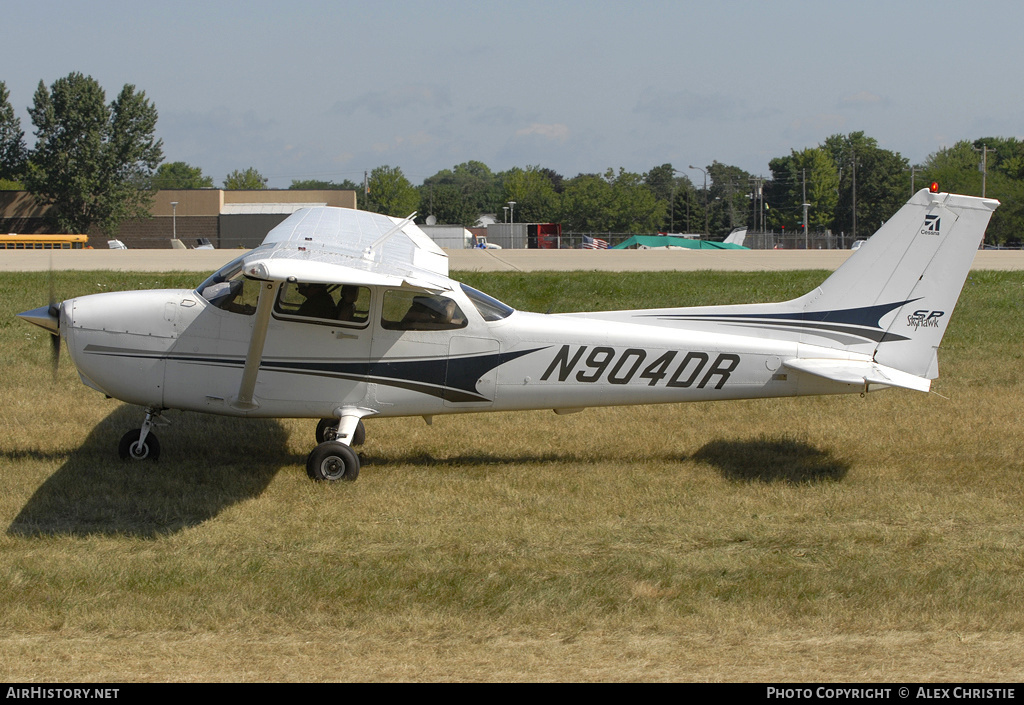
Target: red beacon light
(934, 188)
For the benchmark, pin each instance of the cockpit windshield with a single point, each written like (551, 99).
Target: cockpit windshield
(489, 307)
(229, 290)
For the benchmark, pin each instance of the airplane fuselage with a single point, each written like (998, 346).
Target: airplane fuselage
(175, 349)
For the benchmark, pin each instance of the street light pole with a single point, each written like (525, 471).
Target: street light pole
(705, 197)
(174, 218)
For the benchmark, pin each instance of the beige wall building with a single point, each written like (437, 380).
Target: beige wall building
(227, 219)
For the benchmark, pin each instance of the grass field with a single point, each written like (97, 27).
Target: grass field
(822, 539)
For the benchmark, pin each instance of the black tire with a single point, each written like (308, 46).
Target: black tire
(129, 449)
(359, 435)
(332, 461)
(326, 430)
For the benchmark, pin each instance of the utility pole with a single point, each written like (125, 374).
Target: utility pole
(697, 168)
(854, 196)
(983, 167)
(758, 202)
(807, 234)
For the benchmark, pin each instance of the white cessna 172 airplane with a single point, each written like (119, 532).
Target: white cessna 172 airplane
(343, 315)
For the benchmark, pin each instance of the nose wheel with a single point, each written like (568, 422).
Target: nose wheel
(133, 447)
(141, 444)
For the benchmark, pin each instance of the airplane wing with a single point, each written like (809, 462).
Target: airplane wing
(345, 246)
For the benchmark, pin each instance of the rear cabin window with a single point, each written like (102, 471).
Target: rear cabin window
(410, 310)
(331, 304)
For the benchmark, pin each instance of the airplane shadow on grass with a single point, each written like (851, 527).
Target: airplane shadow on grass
(771, 460)
(765, 459)
(207, 464)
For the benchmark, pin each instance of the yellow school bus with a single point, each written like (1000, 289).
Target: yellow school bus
(13, 241)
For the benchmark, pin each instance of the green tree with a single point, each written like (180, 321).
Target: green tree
(882, 182)
(179, 175)
(318, 185)
(676, 191)
(448, 204)
(954, 168)
(814, 169)
(957, 169)
(12, 140)
(614, 203)
(638, 211)
(586, 204)
(1009, 155)
(534, 195)
(91, 161)
(389, 192)
(662, 181)
(728, 205)
(247, 180)
(461, 194)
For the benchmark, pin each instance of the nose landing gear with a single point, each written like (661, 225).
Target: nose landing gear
(141, 444)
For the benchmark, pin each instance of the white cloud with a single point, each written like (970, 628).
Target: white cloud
(556, 132)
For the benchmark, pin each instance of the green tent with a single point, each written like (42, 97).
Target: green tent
(669, 241)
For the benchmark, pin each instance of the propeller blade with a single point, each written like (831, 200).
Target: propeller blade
(54, 310)
(55, 352)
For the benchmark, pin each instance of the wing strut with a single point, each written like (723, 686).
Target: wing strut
(268, 292)
(376, 243)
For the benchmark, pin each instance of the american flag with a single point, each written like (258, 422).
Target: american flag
(594, 243)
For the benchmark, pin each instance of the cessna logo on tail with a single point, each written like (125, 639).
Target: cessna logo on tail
(931, 225)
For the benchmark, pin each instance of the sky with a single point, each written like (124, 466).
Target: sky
(310, 89)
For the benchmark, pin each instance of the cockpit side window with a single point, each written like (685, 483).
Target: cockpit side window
(411, 310)
(229, 290)
(334, 304)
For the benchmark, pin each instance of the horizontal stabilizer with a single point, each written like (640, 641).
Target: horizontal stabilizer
(859, 372)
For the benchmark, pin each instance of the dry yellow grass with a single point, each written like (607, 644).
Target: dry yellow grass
(829, 539)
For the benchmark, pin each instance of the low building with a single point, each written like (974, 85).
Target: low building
(228, 219)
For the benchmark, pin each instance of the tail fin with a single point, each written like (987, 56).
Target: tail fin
(902, 285)
(886, 309)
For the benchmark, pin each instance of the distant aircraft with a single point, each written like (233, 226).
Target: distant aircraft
(736, 237)
(344, 315)
(202, 243)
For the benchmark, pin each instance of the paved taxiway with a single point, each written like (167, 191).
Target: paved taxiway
(488, 260)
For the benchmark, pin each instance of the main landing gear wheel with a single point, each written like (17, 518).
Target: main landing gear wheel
(130, 449)
(332, 461)
(327, 430)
